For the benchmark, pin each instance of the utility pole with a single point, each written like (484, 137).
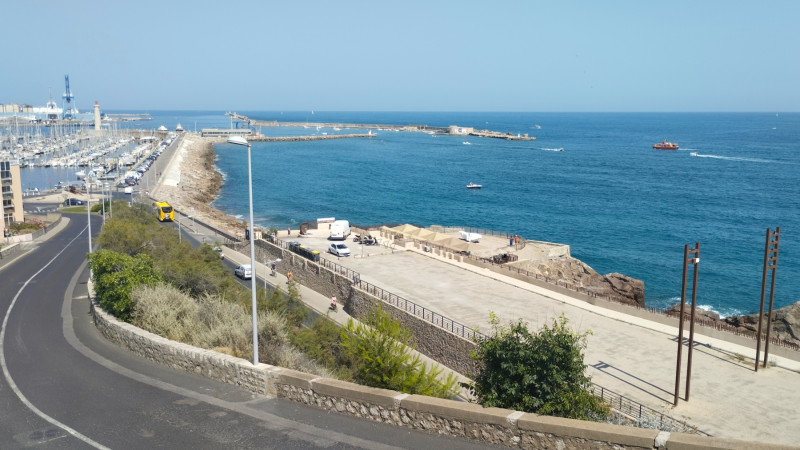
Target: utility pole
(770, 264)
(695, 259)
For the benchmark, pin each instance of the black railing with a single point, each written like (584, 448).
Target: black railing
(340, 269)
(643, 414)
(414, 309)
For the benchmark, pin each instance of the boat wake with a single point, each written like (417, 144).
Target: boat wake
(732, 158)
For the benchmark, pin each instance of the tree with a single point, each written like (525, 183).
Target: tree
(379, 352)
(542, 373)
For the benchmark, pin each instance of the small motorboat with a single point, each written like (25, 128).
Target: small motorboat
(473, 186)
(665, 145)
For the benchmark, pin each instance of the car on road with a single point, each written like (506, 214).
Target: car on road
(72, 202)
(339, 250)
(244, 272)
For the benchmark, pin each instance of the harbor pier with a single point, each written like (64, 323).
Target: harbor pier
(451, 130)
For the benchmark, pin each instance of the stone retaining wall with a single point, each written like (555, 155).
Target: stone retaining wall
(447, 417)
(448, 349)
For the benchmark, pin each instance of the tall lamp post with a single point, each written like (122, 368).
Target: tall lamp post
(88, 210)
(239, 140)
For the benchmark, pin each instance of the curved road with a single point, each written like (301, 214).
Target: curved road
(63, 386)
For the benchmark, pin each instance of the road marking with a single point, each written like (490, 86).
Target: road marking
(7, 375)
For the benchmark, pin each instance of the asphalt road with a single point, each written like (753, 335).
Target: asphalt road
(63, 386)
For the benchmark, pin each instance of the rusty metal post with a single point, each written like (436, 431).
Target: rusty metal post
(767, 262)
(696, 262)
(680, 325)
(773, 266)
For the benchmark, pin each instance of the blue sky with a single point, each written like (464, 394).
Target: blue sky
(405, 55)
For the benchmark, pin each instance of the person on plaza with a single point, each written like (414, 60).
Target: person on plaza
(334, 305)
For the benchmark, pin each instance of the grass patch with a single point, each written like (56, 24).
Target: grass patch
(74, 209)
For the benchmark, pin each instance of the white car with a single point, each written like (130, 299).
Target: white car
(244, 272)
(339, 250)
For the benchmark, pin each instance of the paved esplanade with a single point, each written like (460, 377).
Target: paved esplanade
(626, 354)
(632, 356)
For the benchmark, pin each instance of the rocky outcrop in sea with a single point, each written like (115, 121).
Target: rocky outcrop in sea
(617, 286)
(785, 321)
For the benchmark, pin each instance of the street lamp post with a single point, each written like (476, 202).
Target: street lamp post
(88, 210)
(239, 140)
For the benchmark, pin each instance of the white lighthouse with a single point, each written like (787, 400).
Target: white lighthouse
(96, 115)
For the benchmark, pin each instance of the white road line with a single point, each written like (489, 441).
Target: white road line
(7, 375)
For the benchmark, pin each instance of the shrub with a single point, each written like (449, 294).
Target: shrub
(542, 373)
(379, 352)
(165, 311)
(320, 342)
(116, 275)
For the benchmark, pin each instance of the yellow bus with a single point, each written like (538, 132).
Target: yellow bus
(165, 212)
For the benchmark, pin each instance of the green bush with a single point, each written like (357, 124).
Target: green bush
(320, 341)
(542, 373)
(378, 350)
(115, 277)
(98, 208)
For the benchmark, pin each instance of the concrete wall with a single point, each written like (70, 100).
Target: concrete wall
(448, 417)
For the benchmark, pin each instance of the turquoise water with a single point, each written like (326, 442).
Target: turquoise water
(620, 205)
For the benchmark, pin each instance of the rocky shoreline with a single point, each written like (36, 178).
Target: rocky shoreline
(199, 185)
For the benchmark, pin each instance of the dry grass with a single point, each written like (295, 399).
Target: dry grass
(219, 325)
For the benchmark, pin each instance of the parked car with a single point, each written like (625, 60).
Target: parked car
(72, 202)
(244, 272)
(339, 250)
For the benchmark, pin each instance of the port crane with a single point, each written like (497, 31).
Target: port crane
(67, 97)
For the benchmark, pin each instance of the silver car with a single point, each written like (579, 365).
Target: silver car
(339, 250)
(244, 271)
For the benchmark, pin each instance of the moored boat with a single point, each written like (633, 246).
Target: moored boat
(665, 145)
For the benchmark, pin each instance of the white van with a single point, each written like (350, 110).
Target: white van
(340, 229)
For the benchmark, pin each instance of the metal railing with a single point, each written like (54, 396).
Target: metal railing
(414, 309)
(340, 269)
(643, 414)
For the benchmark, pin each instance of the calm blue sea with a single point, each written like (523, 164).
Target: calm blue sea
(619, 204)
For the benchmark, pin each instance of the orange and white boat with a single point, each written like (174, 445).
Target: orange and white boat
(665, 145)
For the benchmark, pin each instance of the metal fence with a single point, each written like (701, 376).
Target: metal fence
(643, 414)
(340, 269)
(414, 309)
